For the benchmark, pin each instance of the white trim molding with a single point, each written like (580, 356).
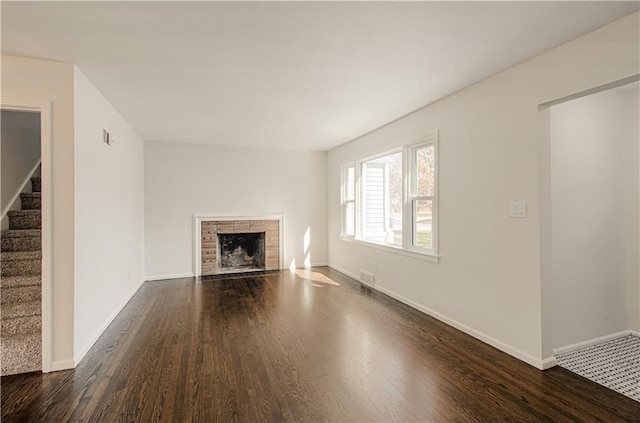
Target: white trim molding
(395, 250)
(197, 230)
(62, 365)
(167, 277)
(309, 266)
(548, 363)
(44, 107)
(345, 271)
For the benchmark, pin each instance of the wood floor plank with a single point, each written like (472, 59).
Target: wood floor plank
(306, 346)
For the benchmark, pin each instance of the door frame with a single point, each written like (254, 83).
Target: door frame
(544, 181)
(43, 107)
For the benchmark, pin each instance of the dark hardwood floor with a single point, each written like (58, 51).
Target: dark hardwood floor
(307, 347)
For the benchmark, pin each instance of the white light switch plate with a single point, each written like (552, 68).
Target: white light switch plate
(517, 209)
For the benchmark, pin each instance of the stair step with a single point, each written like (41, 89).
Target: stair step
(20, 326)
(12, 311)
(21, 283)
(20, 294)
(21, 240)
(30, 200)
(36, 184)
(15, 281)
(25, 219)
(19, 233)
(21, 255)
(21, 354)
(21, 263)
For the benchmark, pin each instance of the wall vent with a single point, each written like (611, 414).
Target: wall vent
(367, 278)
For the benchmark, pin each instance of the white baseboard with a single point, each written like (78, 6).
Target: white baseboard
(549, 362)
(191, 275)
(173, 276)
(529, 359)
(320, 264)
(345, 271)
(594, 341)
(106, 324)
(62, 365)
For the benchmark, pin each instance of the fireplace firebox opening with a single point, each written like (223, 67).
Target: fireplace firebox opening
(241, 252)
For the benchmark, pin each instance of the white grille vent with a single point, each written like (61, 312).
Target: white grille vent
(367, 278)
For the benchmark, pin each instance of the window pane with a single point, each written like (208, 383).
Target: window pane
(425, 171)
(350, 184)
(423, 223)
(382, 199)
(350, 218)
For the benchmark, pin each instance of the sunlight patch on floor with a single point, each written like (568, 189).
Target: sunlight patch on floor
(315, 277)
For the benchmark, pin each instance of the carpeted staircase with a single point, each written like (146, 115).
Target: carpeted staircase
(20, 296)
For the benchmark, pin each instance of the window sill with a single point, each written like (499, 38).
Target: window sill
(397, 250)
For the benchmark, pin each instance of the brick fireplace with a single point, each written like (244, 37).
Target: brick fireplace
(210, 235)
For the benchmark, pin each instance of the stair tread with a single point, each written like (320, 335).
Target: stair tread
(17, 281)
(21, 304)
(25, 219)
(31, 201)
(21, 326)
(30, 308)
(15, 213)
(24, 336)
(22, 288)
(21, 255)
(21, 354)
(10, 245)
(19, 233)
(36, 184)
(21, 263)
(20, 294)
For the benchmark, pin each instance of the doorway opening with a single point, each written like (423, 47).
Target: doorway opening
(590, 220)
(26, 235)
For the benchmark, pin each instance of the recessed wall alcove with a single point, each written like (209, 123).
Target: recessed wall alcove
(231, 244)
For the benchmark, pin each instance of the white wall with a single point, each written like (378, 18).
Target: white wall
(488, 281)
(30, 79)
(20, 151)
(631, 96)
(632, 205)
(594, 195)
(186, 179)
(109, 210)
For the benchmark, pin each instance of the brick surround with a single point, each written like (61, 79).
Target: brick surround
(209, 240)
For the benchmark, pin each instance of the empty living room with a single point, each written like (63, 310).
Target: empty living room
(322, 211)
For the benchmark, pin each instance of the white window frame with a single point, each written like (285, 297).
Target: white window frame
(409, 226)
(360, 233)
(413, 198)
(344, 201)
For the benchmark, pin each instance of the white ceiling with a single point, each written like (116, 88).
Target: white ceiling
(291, 75)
